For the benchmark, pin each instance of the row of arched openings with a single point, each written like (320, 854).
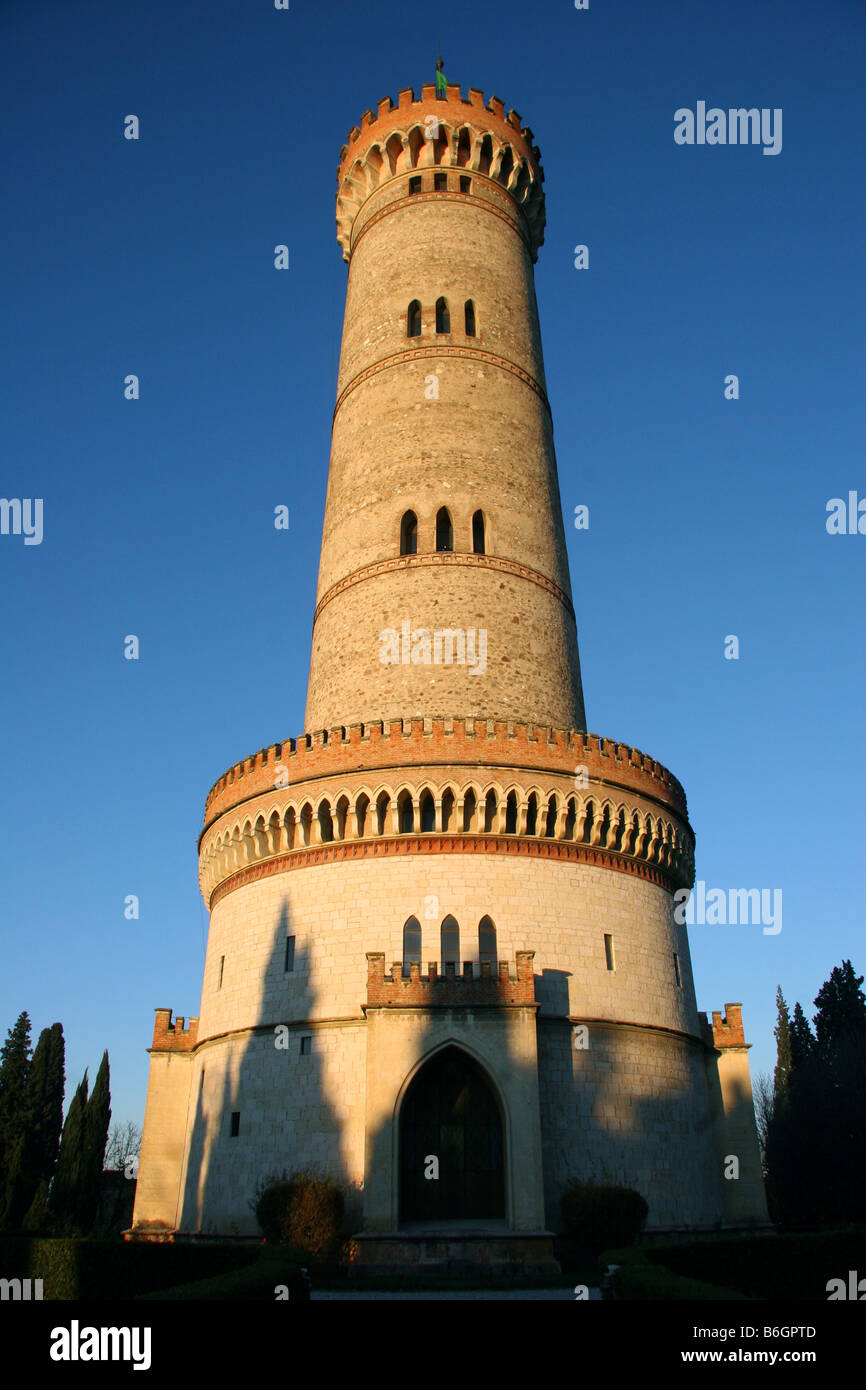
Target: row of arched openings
(444, 532)
(449, 943)
(443, 318)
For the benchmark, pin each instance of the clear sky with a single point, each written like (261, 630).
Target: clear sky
(707, 515)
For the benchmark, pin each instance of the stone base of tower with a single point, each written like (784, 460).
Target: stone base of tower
(455, 1253)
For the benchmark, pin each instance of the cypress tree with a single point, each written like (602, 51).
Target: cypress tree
(31, 1161)
(97, 1116)
(840, 1022)
(802, 1039)
(782, 1031)
(14, 1065)
(63, 1199)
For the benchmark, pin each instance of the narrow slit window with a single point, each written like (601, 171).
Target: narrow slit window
(469, 317)
(608, 952)
(443, 316)
(306, 1045)
(236, 1124)
(289, 964)
(678, 977)
(222, 968)
(478, 533)
(413, 319)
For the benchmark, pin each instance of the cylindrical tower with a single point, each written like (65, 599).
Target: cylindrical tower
(443, 507)
(447, 888)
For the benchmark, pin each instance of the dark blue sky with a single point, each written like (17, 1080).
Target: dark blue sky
(707, 516)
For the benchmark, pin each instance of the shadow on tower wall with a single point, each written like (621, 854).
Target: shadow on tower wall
(259, 1105)
(627, 1106)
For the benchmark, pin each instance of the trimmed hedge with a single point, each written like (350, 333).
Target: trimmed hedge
(769, 1266)
(254, 1282)
(637, 1278)
(113, 1269)
(595, 1216)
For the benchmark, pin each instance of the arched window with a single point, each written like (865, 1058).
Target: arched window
(511, 814)
(443, 318)
(407, 814)
(469, 312)
(413, 319)
(427, 812)
(411, 945)
(478, 533)
(550, 824)
(450, 942)
(409, 534)
(487, 942)
(326, 824)
(532, 814)
(444, 530)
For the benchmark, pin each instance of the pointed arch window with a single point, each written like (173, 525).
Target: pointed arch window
(469, 317)
(450, 940)
(487, 942)
(406, 814)
(409, 534)
(413, 319)
(443, 317)
(478, 534)
(444, 530)
(411, 945)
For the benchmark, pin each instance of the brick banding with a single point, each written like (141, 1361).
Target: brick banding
(439, 558)
(310, 855)
(414, 199)
(490, 359)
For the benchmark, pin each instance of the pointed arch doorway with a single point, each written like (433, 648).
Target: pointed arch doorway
(451, 1112)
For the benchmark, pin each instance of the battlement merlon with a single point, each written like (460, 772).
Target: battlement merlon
(725, 1031)
(467, 135)
(412, 742)
(173, 1037)
(450, 990)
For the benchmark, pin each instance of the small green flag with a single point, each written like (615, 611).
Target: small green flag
(440, 78)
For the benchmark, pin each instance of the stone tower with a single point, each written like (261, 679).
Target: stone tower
(442, 920)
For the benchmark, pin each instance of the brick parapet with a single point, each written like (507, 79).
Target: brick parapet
(725, 1031)
(425, 741)
(450, 990)
(385, 149)
(173, 1037)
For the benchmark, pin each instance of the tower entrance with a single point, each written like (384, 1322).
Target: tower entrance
(451, 1113)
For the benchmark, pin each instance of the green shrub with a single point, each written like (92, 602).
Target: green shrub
(305, 1211)
(595, 1216)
